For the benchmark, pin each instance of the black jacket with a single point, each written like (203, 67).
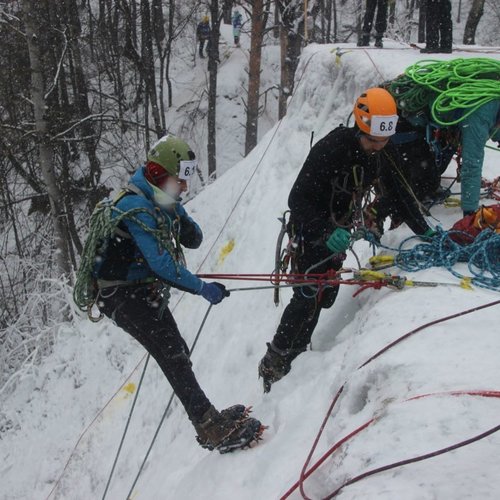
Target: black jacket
(336, 175)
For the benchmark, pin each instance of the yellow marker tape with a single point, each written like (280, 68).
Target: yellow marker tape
(466, 284)
(225, 251)
(130, 388)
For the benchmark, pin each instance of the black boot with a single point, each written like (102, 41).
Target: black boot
(378, 42)
(276, 364)
(430, 50)
(227, 430)
(364, 41)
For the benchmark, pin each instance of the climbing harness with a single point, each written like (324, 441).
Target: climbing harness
(285, 257)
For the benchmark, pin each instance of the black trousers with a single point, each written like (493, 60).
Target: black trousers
(438, 24)
(380, 21)
(202, 45)
(301, 316)
(136, 310)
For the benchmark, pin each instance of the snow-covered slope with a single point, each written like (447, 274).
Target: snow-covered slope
(92, 361)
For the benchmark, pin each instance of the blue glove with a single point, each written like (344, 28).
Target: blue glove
(338, 241)
(214, 292)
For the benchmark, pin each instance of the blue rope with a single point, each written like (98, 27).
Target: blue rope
(482, 255)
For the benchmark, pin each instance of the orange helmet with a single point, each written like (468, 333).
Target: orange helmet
(375, 112)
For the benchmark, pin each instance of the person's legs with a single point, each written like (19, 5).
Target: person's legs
(135, 311)
(299, 318)
(445, 26)
(367, 23)
(200, 49)
(432, 25)
(380, 22)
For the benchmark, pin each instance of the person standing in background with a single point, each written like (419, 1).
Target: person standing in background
(236, 21)
(438, 27)
(380, 23)
(203, 35)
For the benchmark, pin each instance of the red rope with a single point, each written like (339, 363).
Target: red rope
(426, 325)
(318, 279)
(418, 458)
(348, 437)
(304, 475)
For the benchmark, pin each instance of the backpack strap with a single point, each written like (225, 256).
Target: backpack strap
(128, 189)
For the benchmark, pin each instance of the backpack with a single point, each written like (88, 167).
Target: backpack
(102, 227)
(472, 225)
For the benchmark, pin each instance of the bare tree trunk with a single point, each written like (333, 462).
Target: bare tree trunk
(171, 13)
(81, 93)
(45, 151)
(475, 14)
(276, 27)
(335, 22)
(328, 19)
(284, 88)
(290, 42)
(147, 55)
(227, 6)
(213, 59)
(157, 20)
(254, 75)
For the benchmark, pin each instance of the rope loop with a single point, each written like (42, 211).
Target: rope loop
(482, 255)
(447, 86)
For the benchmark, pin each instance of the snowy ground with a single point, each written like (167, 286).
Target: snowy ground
(44, 419)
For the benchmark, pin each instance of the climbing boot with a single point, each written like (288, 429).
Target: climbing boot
(430, 50)
(276, 364)
(227, 430)
(235, 412)
(364, 40)
(378, 42)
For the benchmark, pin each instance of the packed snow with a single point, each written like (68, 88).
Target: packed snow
(62, 427)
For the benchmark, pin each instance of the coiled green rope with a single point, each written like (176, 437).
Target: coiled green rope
(446, 86)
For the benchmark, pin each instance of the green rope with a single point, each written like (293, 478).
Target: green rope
(446, 86)
(102, 227)
(410, 97)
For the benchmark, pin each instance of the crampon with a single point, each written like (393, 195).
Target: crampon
(246, 433)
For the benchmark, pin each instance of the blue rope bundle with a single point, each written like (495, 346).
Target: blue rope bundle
(482, 255)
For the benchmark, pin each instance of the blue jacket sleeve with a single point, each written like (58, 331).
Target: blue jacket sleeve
(158, 258)
(476, 130)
